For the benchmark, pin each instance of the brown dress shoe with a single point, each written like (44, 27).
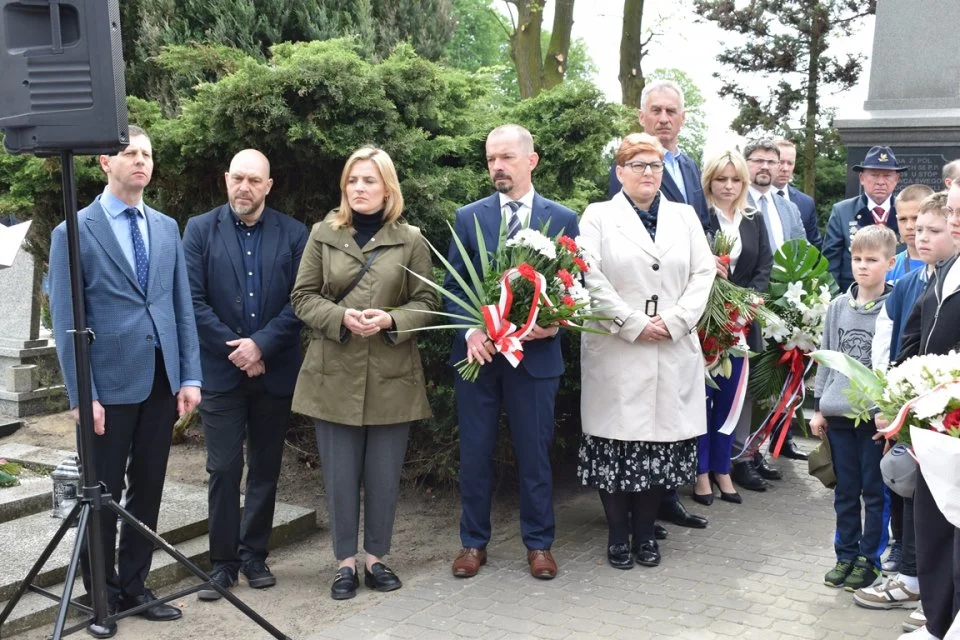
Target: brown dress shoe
(542, 564)
(468, 562)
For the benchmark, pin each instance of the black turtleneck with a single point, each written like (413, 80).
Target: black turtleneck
(366, 226)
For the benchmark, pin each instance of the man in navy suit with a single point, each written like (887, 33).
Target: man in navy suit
(781, 185)
(879, 175)
(144, 360)
(661, 115)
(528, 391)
(242, 260)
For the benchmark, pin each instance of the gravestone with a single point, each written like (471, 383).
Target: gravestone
(913, 101)
(30, 381)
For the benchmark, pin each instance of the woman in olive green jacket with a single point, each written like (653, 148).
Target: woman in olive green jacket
(362, 378)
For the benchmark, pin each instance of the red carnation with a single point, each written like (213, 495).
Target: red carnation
(711, 344)
(567, 241)
(527, 271)
(725, 259)
(577, 260)
(565, 278)
(952, 419)
(569, 301)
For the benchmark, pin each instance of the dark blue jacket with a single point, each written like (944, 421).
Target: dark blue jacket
(846, 218)
(691, 184)
(215, 269)
(900, 303)
(808, 214)
(541, 358)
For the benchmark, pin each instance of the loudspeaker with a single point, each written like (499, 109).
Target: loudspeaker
(62, 86)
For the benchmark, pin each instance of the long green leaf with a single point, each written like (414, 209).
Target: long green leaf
(467, 290)
(454, 298)
(853, 369)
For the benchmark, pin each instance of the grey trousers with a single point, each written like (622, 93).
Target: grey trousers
(374, 456)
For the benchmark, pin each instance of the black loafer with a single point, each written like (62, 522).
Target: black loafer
(220, 576)
(105, 630)
(647, 553)
(747, 477)
(659, 532)
(157, 613)
(764, 469)
(619, 557)
(792, 451)
(379, 577)
(676, 513)
(258, 574)
(345, 584)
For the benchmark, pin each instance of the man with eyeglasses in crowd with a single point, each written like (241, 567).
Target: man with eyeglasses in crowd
(662, 115)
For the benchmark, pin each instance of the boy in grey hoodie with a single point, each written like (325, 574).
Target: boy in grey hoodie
(849, 329)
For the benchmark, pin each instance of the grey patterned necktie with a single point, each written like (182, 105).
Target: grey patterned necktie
(513, 223)
(139, 248)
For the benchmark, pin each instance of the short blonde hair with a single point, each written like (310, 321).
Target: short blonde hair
(875, 237)
(913, 193)
(637, 143)
(716, 165)
(393, 198)
(935, 203)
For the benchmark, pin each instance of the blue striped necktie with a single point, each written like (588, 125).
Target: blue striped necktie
(139, 248)
(513, 223)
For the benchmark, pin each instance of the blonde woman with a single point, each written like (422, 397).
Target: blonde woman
(725, 181)
(362, 378)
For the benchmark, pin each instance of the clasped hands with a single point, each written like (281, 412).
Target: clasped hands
(367, 322)
(480, 347)
(655, 331)
(247, 357)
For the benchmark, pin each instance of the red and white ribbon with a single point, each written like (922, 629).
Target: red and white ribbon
(736, 407)
(505, 335)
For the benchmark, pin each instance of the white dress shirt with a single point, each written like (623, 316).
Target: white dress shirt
(731, 229)
(773, 216)
(525, 210)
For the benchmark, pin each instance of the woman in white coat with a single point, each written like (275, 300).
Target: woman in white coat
(642, 396)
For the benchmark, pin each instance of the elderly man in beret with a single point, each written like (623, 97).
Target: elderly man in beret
(879, 174)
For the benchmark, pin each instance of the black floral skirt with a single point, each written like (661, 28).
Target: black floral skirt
(619, 465)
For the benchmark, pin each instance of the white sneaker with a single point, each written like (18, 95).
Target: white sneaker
(915, 620)
(919, 634)
(887, 594)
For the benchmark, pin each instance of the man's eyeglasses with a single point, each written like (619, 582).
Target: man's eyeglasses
(764, 163)
(641, 167)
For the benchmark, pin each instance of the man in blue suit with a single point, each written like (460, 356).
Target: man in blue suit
(144, 360)
(661, 115)
(781, 185)
(879, 175)
(528, 391)
(242, 260)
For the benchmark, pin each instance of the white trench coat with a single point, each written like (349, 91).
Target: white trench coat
(639, 390)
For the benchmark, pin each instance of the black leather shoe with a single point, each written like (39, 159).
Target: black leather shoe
(157, 613)
(747, 477)
(676, 513)
(706, 499)
(379, 577)
(345, 584)
(619, 556)
(223, 578)
(765, 470)
(258, 574)
(792, 451)
(659, 532)
(647, 553)
(733, 497)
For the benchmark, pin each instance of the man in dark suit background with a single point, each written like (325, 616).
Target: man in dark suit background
(781, 186)
(527, 392)
(662, 115)
(242, 260)
(144, 361)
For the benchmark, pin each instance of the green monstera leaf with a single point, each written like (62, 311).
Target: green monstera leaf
(799, 261)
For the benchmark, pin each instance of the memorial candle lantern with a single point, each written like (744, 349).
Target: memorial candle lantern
(66, 487)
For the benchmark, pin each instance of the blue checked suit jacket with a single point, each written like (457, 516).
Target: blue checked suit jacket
(126, 320)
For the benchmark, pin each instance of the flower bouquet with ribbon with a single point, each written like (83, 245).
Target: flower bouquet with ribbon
(530, 280)
(922, 394)
(800, 292)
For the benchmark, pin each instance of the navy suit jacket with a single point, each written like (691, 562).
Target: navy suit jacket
(846, 218)
(808, 214)
(215, 268)
(691, 184)
(125, 319)
(541, 358)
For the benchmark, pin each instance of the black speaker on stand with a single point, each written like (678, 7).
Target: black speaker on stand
(62, 92)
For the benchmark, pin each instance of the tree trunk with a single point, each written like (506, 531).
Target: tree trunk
(817, 46)
(525, 47)
(631, 53)
(555, 64)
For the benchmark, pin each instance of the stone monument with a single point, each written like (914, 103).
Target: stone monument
(913, 101)
(30, 381)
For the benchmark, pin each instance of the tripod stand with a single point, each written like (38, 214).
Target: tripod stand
(93, 498)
